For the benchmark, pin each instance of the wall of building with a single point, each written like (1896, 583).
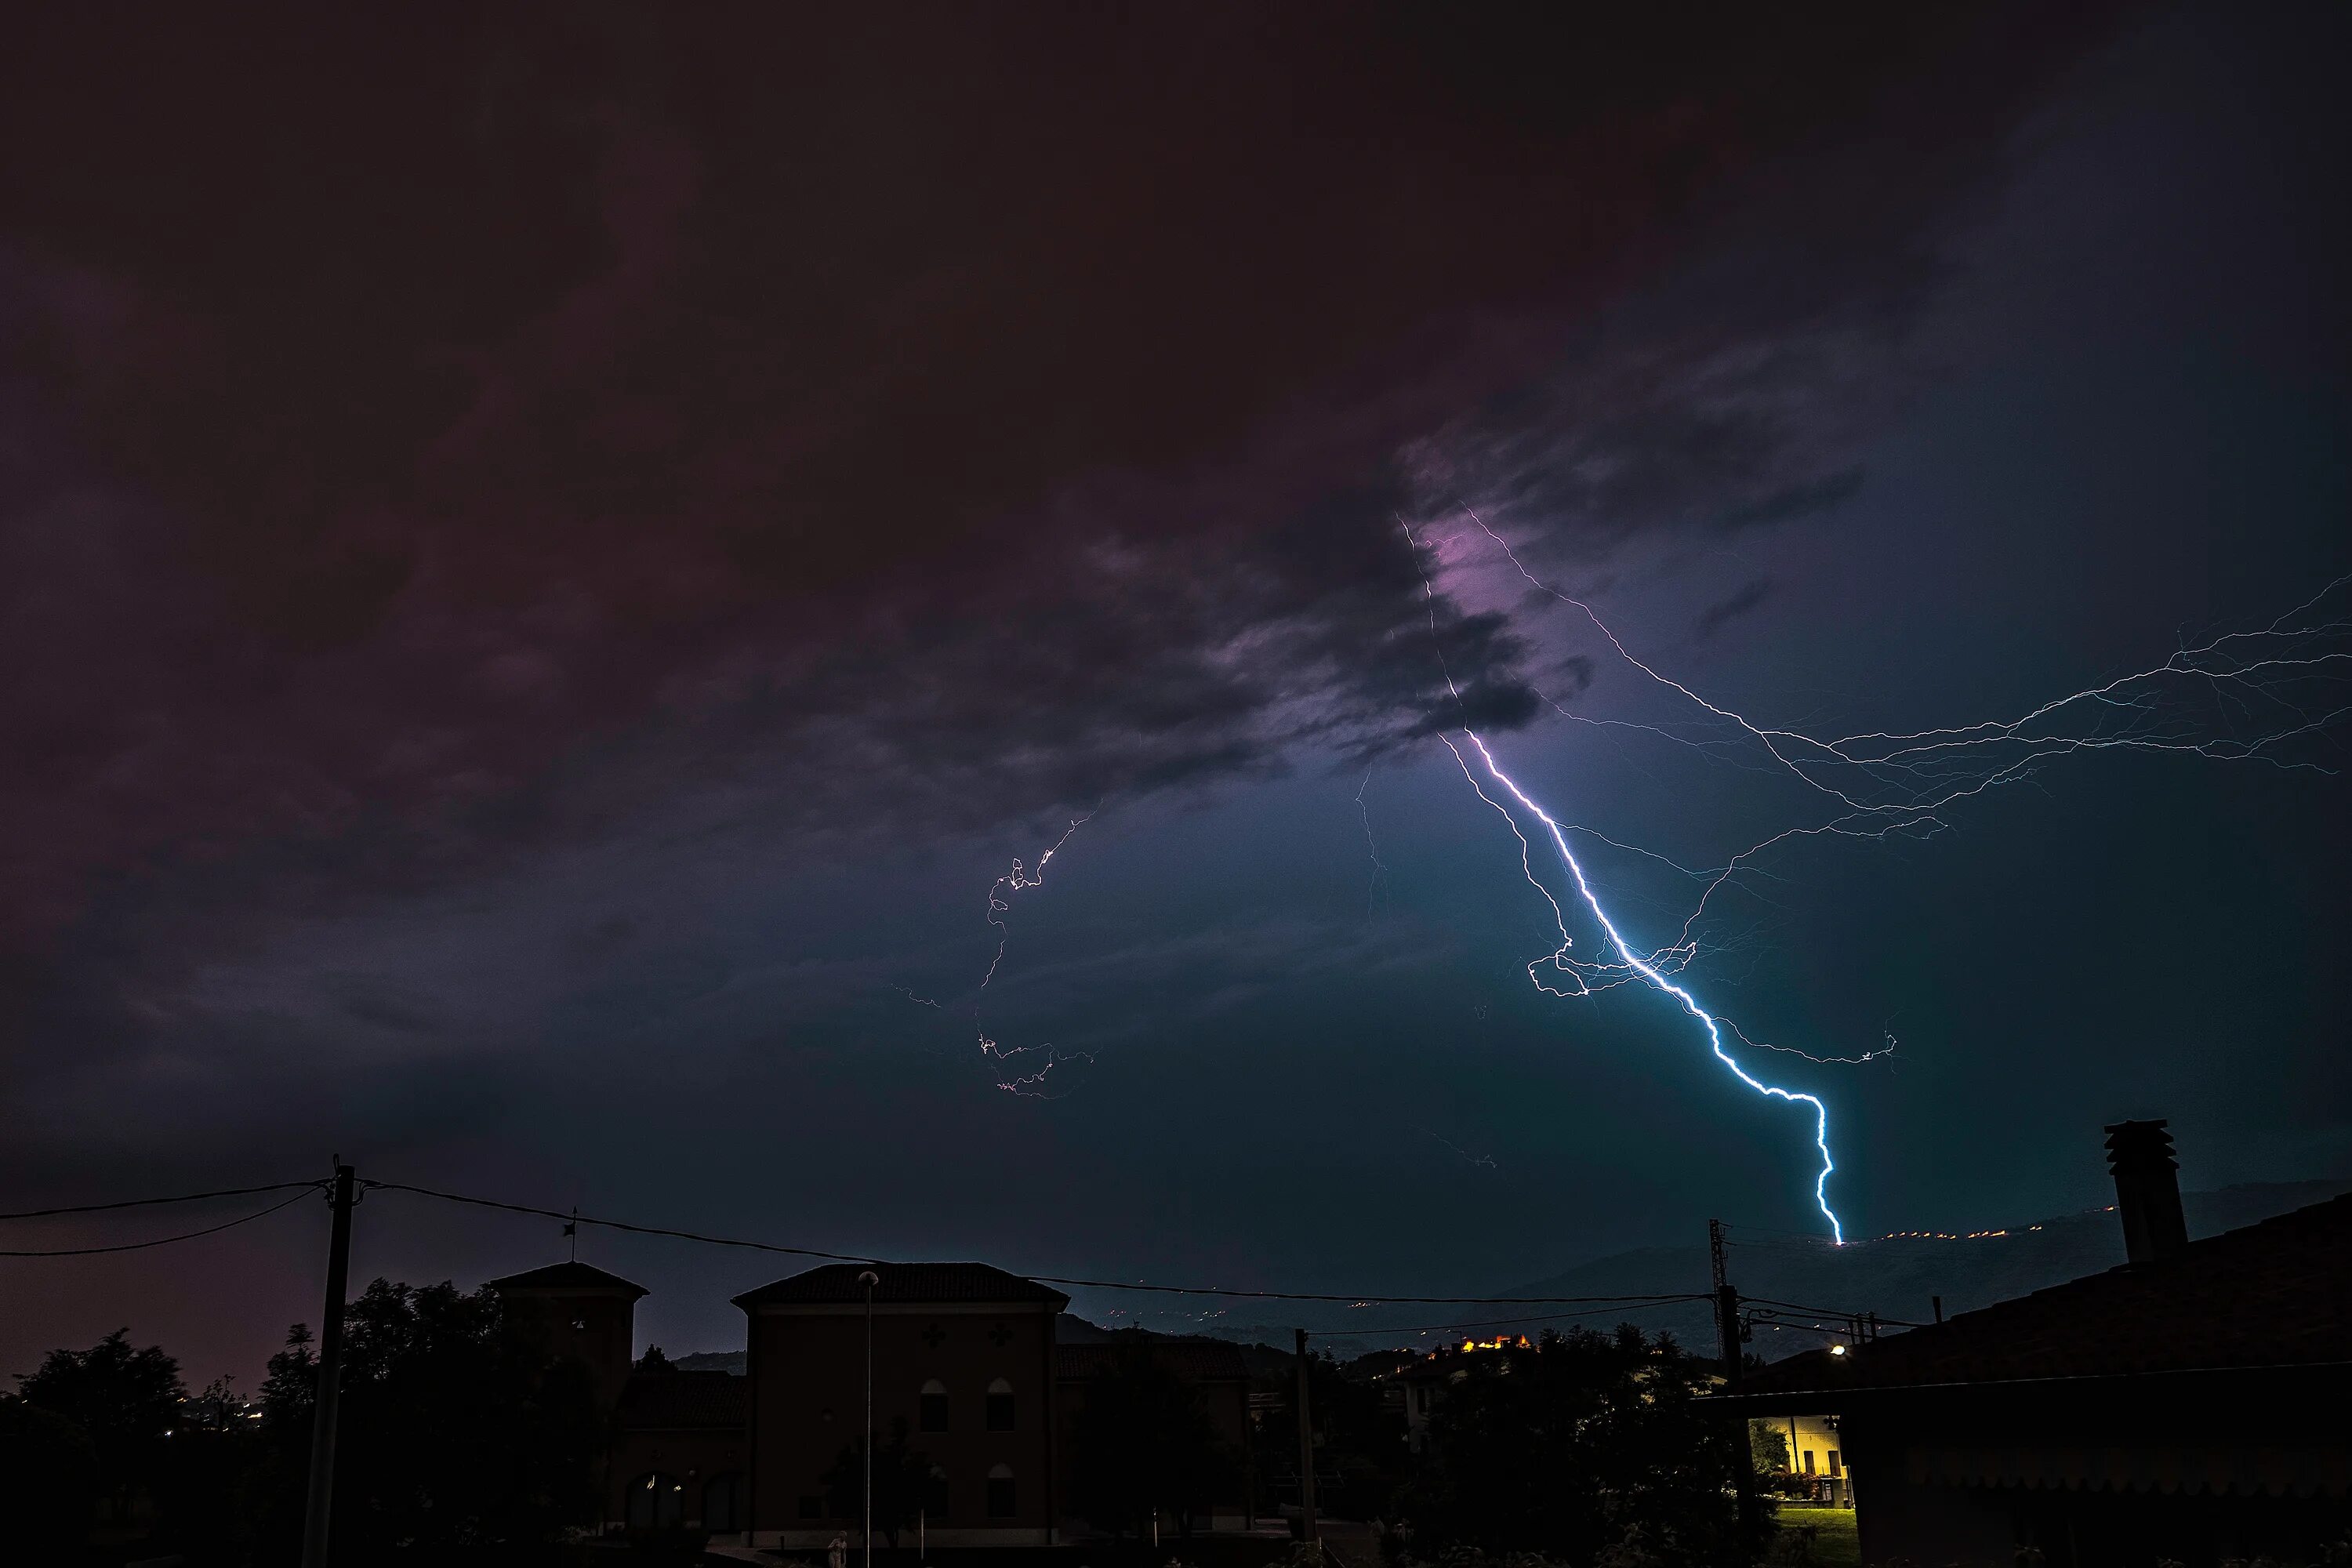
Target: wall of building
(596, 1328)
(808, 1367)
(690, 1458)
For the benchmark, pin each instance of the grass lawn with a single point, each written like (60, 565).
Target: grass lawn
(1834, 1546)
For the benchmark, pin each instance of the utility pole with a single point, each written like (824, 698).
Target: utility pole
(1726, 1334)
(869, 1279)
(331, 1376)
(1307, 1530)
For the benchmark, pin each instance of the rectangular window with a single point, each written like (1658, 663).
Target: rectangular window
(999, 1412)
(999, 1496)
(932, 1413)
(1809, 1461)
(812, 1506)
(1834, 1463)
(935, 1497)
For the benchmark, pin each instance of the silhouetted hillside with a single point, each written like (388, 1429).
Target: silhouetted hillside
(1897, 1277)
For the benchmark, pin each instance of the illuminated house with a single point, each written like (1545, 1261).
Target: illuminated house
(2186, 1406)
(1817, 1453)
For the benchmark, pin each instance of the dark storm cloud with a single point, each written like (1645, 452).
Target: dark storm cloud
(402, 401)
(1724, 611)
(435, 439)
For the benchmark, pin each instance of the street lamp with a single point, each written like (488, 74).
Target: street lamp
(868, 1278)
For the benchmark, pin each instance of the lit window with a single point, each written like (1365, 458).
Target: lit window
(1001, 1497)
(1000, 1406)
(931, 1408)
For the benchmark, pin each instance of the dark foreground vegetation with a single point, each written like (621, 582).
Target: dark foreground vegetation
(463, 1440)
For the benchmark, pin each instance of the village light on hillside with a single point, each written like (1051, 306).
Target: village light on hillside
(1837, 1350)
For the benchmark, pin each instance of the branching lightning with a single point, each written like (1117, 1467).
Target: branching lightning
(1483, 1162)
(1372, 846)
(1021, 879)
(1884, 785)
(1000, 904)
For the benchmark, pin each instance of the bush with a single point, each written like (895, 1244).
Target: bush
(48, 1458)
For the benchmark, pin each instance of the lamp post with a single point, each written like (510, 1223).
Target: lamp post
(869, 1279)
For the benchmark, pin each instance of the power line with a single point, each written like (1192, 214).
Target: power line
(1368, 1297)
(161, 1240)
(577, 1218)
(147, 1203)
(1597, 1305)
(1827, 1311)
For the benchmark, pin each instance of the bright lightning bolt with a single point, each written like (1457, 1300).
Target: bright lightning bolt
(1642, 967)
(1636, 962)
(1888, 784)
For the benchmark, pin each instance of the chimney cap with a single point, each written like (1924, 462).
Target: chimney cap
(2140, 1144)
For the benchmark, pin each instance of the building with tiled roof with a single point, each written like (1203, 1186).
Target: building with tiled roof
(583, 1313)
(896, 1284)
(571, 1277)
(2187, 1404)
(962, 1359)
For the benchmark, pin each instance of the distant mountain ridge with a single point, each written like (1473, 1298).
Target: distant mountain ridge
(1897, 1276)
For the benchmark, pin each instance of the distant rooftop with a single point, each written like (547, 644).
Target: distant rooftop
(2269, 1295)
(903, 1284)
(569, 1277)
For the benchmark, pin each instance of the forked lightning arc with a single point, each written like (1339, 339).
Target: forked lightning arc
(1886, 784)
(2265, 688)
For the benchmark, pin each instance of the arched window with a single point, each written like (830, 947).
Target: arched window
(935, 1495)
(931, 1408)
(719, 1502)
(1000, 1406)
(1001, 1496)
(655, 1500)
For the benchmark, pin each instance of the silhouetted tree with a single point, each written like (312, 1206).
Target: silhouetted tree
(460, 1431)
(1361, 1457)
(1143, 1441)
(902, 1478)
(1585, 1446)
(125, 1400)
(1767, 1447)
(50, 1465)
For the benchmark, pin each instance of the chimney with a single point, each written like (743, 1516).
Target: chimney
(2148, 1190)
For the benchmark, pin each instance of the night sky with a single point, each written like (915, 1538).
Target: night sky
(548, 560)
